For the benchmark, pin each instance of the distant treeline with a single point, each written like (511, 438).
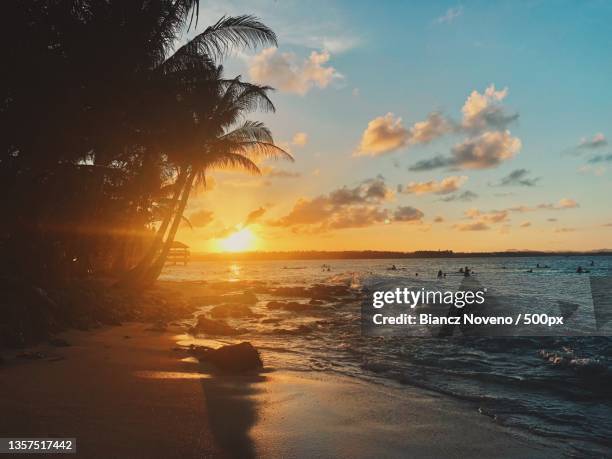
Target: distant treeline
(375, 254)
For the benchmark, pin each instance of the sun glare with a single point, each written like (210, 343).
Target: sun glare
(238, 241)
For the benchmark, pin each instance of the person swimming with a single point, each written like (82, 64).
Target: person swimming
(466, 272)
(392, 268)
(529, 270)
(579, 270)
(439, 273)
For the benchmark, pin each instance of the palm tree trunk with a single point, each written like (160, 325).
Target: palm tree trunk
(134, 275)
(156, 268)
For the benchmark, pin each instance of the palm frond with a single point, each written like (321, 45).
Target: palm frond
(261, 150)
(250, 131)
(228, 33)
(230, 161)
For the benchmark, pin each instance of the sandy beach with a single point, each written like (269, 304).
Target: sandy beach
(128, 392)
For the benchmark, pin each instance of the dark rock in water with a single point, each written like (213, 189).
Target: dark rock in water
(213, 327)
(31, 355)
(316, 302)
(236, 310)
(235, 357)
(271, 321)
(59, 342)
(241, 298)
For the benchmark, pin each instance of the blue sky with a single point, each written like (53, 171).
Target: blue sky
(343, 65)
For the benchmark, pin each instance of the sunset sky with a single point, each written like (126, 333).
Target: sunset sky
(440, 125)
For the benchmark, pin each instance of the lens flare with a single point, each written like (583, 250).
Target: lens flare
(238, 241)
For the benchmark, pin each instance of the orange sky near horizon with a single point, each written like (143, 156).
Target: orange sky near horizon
(412, 130)
(240, 205)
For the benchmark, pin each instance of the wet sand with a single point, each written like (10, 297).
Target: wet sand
(137, 397)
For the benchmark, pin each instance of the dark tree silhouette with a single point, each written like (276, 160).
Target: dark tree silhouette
(107, 124)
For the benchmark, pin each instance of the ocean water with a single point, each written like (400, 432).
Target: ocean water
(558, 387)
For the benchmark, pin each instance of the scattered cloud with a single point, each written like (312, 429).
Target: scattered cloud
(600, 159)
(384, 134)
(438, 219)
(285, 72)
(450, 15)
(525, 224)
(445, 186)
(407, 214)
(465, 196)
(435, 125)
(595, 170)
(551, 219)
(567, 203)
(597, 141)
(254, 215)
(300, 139)
(564, 203)
(356, 92)
(485, 122)
(565, 230)
(518, 177)
(201, 218)
(485, 151)
(273, 172)
(493, 216)
(428, 164)
(485, 111)
(346, 207)
(472, 226)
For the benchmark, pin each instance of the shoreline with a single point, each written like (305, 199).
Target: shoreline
(125, 391)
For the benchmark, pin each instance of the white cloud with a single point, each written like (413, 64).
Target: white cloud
(485, 151)
(285, 72)
(450, 15)
(300, 139)
(484, 111)
(597, 141)
(436, 125)
(383, 135)
(445, 186)
(567, 203)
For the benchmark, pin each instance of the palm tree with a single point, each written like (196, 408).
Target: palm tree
(185, 89)
(113, 75)
(218, 140)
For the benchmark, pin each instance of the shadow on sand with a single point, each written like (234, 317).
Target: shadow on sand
(232, 409)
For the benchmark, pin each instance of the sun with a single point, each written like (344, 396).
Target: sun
(238, 241)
